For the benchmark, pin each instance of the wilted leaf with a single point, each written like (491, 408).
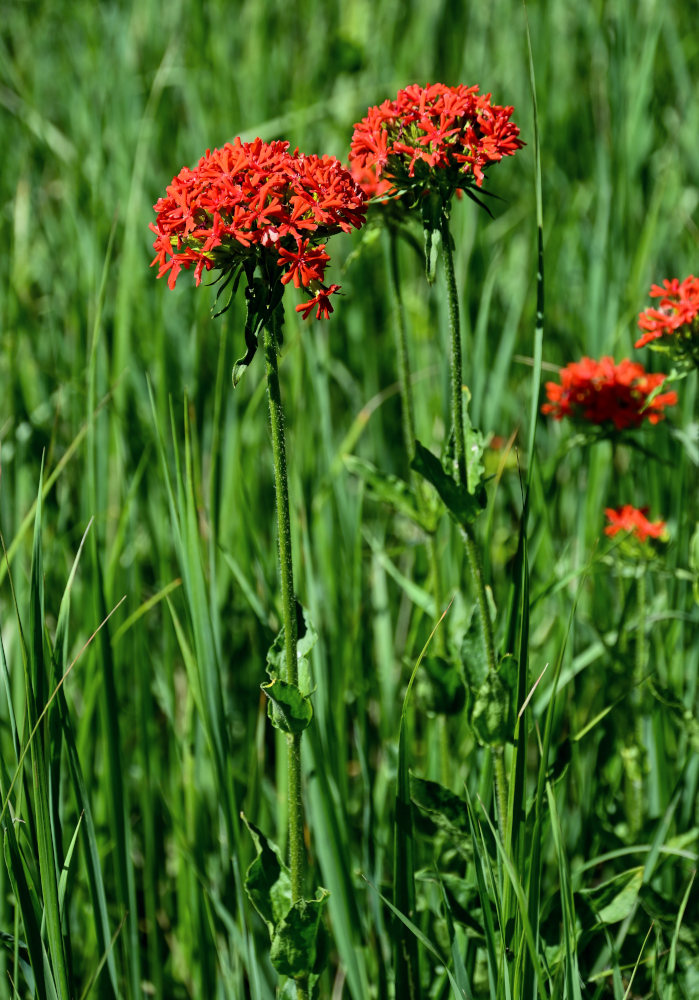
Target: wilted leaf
(288, 709)
(300, 946)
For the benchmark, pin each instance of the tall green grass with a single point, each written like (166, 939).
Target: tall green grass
(133, 730)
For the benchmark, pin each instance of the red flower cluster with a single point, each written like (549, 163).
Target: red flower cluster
(628, 518)
(448, 134)
(677, 314)
(247, 201)
(603, 392)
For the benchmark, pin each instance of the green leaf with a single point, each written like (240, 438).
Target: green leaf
(267, 881)
(288, 709)
(440, 688)
(253, 323)
(306, 638)
(475, 447)
(447, 811)
(491, 711)
(694, 562)
(262, 296)
(391, 490)
(474, 658)
(613, 900)
(463, 506)
(300, 944)
(431, 218)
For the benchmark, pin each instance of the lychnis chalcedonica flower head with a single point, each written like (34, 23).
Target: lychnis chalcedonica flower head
(259, 211)
(612, 396)
(435, 138)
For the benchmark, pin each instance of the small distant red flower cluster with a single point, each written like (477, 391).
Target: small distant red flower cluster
(247, 200)
(677, 313)
(634, 521)
(602, 392)
(447, 133)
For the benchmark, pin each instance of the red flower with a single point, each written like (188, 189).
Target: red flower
(247, 204)
(628, 518)
(676, 317)
(446, 136)
(321, 300)
(371, 185)
(602, 392)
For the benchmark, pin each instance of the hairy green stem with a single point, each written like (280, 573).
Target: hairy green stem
(474, 564)
(295, 805)
(457, 396)
(407, 408)
(472, 554)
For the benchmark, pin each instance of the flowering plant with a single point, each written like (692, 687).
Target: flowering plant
(603, 392)
(250, 206)
(673, 326)
(634, 521)
(434, 137)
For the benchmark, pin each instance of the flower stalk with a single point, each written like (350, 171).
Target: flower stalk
(276, 415)
(297, 861)
(457, 395)
(460, 475)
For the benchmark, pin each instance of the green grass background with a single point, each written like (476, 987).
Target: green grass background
(123, 387)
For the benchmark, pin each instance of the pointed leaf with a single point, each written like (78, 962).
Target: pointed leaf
(446, 810)
(243, 363)
(462, 505)
(613, 900)
(391, 490)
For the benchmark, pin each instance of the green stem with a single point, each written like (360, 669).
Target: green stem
(295, 805)
(474, 564)
(457, 410)
(472, 554)
(501, 792)
(407, 408)
(641, 629)
(439, 639)
(282, 491)
(457, 396)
